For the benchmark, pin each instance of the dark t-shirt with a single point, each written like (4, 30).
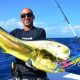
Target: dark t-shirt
(21, 70)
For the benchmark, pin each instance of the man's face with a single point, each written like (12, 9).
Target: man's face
(27, 17)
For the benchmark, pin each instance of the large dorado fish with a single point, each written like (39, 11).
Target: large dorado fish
(44, 54)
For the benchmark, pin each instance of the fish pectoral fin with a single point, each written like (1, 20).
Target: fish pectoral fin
(35, 53)
(37, 50)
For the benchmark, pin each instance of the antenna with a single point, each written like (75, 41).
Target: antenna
(66, 19)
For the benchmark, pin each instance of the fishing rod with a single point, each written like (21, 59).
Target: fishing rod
(68, 24)
(66, 18)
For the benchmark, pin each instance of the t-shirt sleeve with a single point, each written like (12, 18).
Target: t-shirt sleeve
(42, 34)
(13, 32)
(16, 32)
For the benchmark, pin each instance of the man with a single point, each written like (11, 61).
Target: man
(29, 32)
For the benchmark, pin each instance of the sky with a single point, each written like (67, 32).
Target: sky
(47, 16)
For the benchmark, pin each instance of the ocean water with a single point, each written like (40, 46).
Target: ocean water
(6, 60)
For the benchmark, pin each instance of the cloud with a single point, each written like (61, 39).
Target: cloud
(51, 30)
(10, 24)
(67, 29)
(63, 31)
(77, 27)
(39, 23)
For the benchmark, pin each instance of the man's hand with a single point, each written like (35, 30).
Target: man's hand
(29, 64)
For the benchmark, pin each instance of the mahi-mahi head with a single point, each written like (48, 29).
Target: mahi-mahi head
(44, 54)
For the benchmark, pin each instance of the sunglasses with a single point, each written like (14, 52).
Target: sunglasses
(28, 15)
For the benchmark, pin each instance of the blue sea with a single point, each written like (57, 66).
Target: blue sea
(72, 43)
